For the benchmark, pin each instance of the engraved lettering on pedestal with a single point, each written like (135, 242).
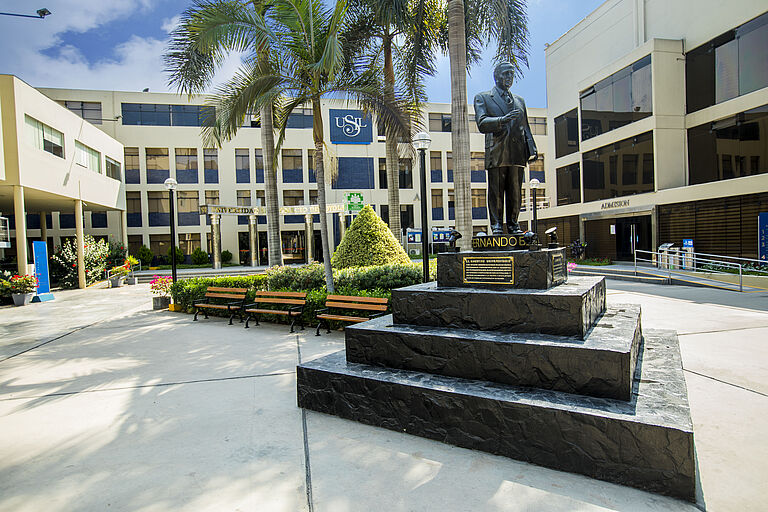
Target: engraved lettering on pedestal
(557, 265)
(489, 270)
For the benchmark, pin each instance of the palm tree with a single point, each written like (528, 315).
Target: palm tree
(471, 25)
(414, 24)
(309, 57)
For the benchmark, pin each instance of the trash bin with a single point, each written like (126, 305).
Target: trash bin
(664, 259)
(675, 261)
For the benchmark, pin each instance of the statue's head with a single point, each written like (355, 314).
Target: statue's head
(504, 75)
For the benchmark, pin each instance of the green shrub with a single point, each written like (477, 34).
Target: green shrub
(117, 254)
(367, 242)
(145, 256)
(179, 255)
(64, 262)
(199, 257)
(226, 256)
(186, 291)
(308, 277)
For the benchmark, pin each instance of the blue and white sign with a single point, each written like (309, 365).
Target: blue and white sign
(350, 127)
(441, 236)
(687, 242)
(40, 251)
(762, 236)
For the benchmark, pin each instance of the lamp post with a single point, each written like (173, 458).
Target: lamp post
(41, 14)
(171, 184)
(421, 142)
(534, 185)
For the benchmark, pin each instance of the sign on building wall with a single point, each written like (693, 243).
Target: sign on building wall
(762, 236)
(350, 127)
(5, 233)
(354, 201)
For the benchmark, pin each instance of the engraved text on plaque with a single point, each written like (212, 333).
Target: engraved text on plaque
(489, 269)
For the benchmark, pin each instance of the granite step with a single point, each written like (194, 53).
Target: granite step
(569, 309)
(646, 442)
(601, 365)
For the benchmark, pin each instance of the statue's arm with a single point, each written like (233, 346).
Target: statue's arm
(485, 122)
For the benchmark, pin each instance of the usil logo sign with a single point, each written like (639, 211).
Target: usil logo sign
(350, 125)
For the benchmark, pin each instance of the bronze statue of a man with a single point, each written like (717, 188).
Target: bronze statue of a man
(509, 145)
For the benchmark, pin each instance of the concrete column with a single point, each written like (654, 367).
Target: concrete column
(253, 234)
(21, 229)
(80, 236)
(342, 226)
(43, 228)
(124, 227)
(310, 238)
(216, 240)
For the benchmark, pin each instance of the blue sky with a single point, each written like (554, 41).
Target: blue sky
(118, 45)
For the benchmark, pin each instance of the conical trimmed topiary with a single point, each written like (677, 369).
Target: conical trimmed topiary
(368, 242)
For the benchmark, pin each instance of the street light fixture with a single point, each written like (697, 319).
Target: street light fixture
(171, 185)
(534, 186)
(41, 13)
(421, 142)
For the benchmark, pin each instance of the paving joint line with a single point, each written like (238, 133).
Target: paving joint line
(307, 467)
(722, 330)
(726, 383)
(142, 386)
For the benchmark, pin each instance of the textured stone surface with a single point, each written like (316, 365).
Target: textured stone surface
(533, 269)
(569, 309)
(646, 442)
(602, 365)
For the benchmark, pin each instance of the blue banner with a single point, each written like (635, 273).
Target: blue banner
(441, 236)
(762, 236)
(350, 127)
(40, 251)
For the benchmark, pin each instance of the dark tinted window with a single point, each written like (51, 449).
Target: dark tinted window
(568, 184)
(619, 169)
(150, 114)
(567, 133)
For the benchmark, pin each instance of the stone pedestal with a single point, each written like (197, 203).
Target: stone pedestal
(525, 364)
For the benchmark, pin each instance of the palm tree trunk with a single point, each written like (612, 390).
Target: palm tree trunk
(457, 52)
(270, 177)
(317, 132)
(393, 160)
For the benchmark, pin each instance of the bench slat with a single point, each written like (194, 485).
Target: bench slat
(273, 312)
(298, 302)
(264, 293)
(214, 306)
(342, 317)
(347, 305)
(225, 296)
(226, 290)
(352, 298)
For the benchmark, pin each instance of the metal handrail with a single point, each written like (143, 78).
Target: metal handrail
(677, 259)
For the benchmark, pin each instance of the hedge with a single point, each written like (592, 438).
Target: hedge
(368, 241)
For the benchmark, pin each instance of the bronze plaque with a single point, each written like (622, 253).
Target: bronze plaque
(489, 270)
(557, 265)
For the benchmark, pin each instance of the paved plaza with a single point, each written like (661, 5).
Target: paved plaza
(108, 405)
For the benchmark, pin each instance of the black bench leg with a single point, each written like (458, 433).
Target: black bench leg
(319, 323)
(293, 322)
(205, 313)
(231, 317)
(197, 312)
(247, 319)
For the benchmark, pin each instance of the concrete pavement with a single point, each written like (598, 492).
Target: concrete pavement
(108, 405)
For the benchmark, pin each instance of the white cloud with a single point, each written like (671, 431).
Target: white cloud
(169, 24)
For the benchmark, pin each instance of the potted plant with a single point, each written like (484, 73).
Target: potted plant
(117, 275)
(21, 288)
(132, 263)
(161, 287)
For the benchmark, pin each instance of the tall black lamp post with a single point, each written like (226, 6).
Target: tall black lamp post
(421, 142)
(171, 184)
(535, 223)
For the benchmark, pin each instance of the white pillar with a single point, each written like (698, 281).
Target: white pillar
(124, 227)
(80, 235)
(21, 229)
(216, 240)
(253, 235)
(309, 244)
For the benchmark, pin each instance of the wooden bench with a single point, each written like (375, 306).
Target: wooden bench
(227, 299)
(376, 305)
(294, 301)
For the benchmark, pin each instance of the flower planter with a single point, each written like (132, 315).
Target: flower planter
(130, 280)
(22, 299)
(176, 307)
(161, 302)
(116, 282)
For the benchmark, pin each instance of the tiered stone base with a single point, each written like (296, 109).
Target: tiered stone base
(646, 442)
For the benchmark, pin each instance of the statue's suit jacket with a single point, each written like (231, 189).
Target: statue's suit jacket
(506, 144)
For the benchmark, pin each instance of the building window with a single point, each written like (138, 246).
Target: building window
(87, 157)
(538, 125)
(477, 167)
(212, 198)
(311, 164)
(131, 158)
(259, 161)
(293, 170)
(300, 118)
(536, 169)
(620, 169)
(149, 114)
(730, 148)
(159, 245)
(211, 165)
(451, 205)
(134, 243)
(354, 172)
(436, 166)
(382, 173)
(620, 99)
(157, 165)
(406, 173)
(407, 218)
(189, 207)
(133, 209)
(439, 122)
(437, 205)
(568, 184)
(88, 110)
(42, 136)
(186, 165)
(158, 206)
(188, 242)
(113, 169)
(449, 166)
(243, 199)
(732, 64)
(567, 133)
(479, 209)
(242, 166)
(293, 198)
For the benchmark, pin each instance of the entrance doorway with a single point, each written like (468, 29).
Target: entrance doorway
(632, 233)
(293, 247)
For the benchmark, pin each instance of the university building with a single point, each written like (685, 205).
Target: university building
(659, 112)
